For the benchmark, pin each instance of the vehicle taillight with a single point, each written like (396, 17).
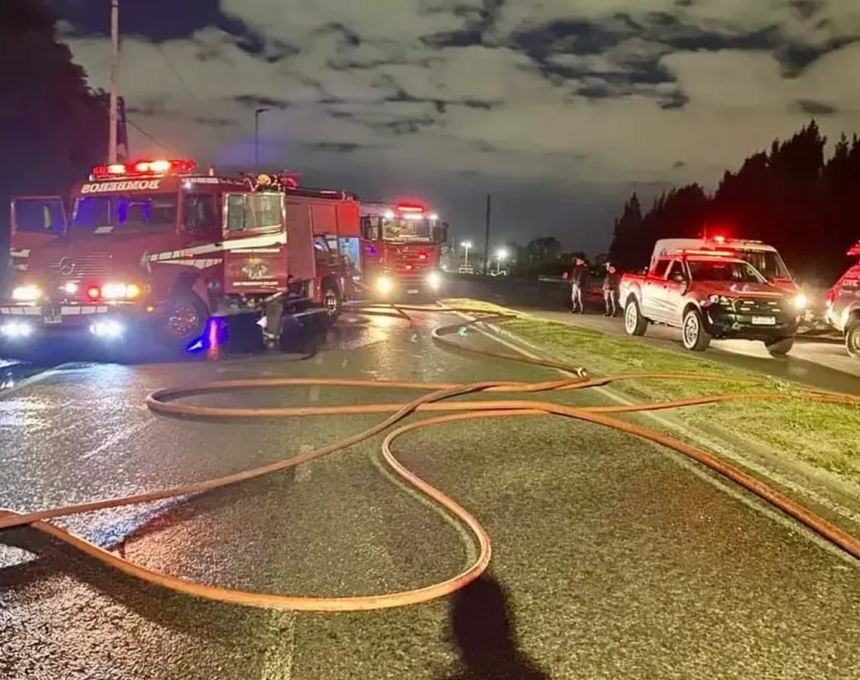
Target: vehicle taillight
(94, 292)
(422, 256)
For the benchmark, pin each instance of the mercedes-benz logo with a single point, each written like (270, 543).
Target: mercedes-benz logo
(65, 266)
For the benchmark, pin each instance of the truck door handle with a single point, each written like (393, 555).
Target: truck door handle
(665, 286)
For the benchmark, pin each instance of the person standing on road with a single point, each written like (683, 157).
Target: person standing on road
(578, 282)
(610, 290)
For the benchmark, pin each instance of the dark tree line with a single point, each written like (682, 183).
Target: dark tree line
(793, 197)
(53, 126)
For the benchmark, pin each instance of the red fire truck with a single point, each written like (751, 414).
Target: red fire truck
(156, 242)
(401, 250)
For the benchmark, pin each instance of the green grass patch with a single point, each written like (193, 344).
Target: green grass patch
(826, 436)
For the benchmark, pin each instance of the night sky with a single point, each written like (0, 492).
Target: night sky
(557, 107)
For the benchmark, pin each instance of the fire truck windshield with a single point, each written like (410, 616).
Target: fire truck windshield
(768, 262)
(712, 270)
(124, 213)
(401, 229)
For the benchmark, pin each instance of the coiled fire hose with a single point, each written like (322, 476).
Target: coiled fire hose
(437, 399)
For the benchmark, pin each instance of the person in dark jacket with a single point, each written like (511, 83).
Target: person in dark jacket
(611, 284)
(578, 283)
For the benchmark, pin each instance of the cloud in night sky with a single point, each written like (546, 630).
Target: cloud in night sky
(561, 106)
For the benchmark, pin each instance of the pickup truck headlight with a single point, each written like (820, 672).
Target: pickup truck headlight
(720, 300)
(800, 301)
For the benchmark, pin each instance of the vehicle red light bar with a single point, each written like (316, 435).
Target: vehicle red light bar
(717, 253)
(413, 208)
(854, 251)
(145, 168)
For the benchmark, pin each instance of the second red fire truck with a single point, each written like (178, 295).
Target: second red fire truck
(157, 242)
(401, 250)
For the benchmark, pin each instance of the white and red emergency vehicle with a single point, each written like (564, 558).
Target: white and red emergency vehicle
(160, 243)
(765, 258)
(402, 244)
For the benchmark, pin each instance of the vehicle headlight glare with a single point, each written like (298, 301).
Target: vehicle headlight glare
(26, 294)
(434, 280)
(384, 284)
(800, 301)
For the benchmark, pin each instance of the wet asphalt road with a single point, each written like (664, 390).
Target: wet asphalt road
(621, 560)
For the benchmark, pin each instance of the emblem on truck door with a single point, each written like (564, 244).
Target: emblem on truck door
(256, 270)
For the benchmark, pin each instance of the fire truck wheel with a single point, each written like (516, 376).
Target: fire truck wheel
(777, 348)
(693, 333)
(184, 319)
(332, 299)
(852, 338)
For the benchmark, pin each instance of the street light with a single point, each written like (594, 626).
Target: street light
(467, 245)
(501, 255)
(257, 136)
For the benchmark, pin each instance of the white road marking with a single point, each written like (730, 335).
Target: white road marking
(112, 441)
(278, 657)
(303, 471)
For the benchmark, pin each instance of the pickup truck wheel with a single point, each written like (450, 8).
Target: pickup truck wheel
(693, 333)
(778, 348)
(634, 322)
(852, 338)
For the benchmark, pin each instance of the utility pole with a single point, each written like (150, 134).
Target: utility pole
(114, 82)
(487, 239)
(257, 137)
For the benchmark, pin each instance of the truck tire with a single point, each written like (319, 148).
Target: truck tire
(634, 322)
(694, 335)
(852, 338)
(778, 348)
(184, 320)
(332, 299)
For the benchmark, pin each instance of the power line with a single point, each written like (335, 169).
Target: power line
(175, 72)
(146, 134)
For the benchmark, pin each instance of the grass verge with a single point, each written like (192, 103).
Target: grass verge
(825, 436)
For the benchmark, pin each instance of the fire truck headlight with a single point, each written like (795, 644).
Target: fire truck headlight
(26, 294)
(108, 330)
(800, 301)
(434, 280)
(384, 284)
(16, 329)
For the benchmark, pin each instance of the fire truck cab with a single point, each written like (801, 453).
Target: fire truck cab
(401, 250)
(156, 242)
(765, 258)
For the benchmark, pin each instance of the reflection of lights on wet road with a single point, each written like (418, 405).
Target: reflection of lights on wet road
(383, 321)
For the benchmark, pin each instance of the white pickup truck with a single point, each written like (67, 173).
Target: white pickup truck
(711, 295)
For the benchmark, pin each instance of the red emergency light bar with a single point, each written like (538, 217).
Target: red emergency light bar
(145, 168)
(708, 253)
(854, 251)
(412, 208)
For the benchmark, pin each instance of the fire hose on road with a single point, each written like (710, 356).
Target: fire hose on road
(437, 399)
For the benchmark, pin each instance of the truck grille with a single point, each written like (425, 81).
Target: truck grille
(758, 307)
(78, 267)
